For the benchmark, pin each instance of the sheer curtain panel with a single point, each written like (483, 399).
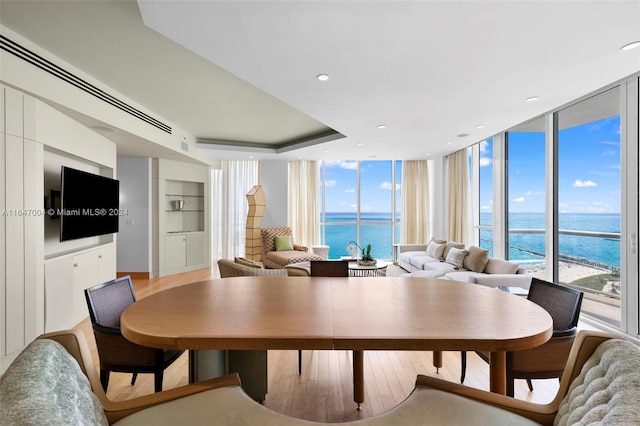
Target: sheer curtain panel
(414, 196)
(459, 219)
(304, 215)
(230, 185)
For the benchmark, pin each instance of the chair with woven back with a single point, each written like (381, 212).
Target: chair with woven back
(325, 268)
(106, 302)
(548, 360)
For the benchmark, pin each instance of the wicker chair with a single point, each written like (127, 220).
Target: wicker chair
(548, 360)
(106, 302)
(229, 268)
(279, 259)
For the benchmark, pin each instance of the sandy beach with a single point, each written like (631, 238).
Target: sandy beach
(568, 271)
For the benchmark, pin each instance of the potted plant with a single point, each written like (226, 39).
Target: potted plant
(366, 259)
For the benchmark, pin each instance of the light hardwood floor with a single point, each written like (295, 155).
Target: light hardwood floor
(324, 390)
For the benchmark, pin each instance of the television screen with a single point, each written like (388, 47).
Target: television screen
(89, 204)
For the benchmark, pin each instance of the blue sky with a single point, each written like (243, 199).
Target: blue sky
(589, 179)
(376, 186)
(589, 165)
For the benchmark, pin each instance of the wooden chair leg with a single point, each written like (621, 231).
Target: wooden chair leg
(463, 373)
(104, 379)
(530, 385)
(157, 380)
(134, 376)
(299, 362)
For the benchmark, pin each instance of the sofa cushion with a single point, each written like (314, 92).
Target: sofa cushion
(499, 266)
(449, 245)
(283, 242)
(284, 258)
(421, 261)
(456, 257)
(607, 388)
(435, 250)
(45, 385)
(476, 259)
(249, 263)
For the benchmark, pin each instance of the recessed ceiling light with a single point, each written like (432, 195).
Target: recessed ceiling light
(448, 143)
(359, 144)
(382, 126)
(428, 153)
(322, 77)
(631, 45)
(480, 126)
(532, 98)
(463, 135)
(327, 150)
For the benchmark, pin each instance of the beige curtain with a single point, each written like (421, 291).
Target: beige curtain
(459, 222)
(414, 228)
(303, 214)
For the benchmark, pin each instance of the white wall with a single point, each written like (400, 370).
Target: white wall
(274, 178)
(134, 236)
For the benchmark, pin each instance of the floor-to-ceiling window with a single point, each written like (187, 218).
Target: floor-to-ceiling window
(481, 176)
(589, 203)
(525, 199)
(360, 202)
(568, 188)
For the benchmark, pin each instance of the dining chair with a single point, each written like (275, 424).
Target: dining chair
(548, 360)
(106, 302)
(325, 268)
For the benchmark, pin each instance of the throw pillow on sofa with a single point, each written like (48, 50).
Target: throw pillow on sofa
(435, 250)
(477, 259)
(283, 243)
(499, 266)
(456, 257)
(449, 245)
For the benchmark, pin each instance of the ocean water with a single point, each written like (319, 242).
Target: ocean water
(527, 248)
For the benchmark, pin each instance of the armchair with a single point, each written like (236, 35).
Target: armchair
(278, 259)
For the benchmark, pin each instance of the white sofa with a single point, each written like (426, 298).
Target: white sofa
(475, 267)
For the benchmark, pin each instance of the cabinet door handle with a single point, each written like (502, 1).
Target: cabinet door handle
(75, 265)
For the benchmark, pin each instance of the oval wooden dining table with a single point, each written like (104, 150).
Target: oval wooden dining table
(355, 313)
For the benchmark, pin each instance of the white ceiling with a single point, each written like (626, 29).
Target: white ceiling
(244, 72)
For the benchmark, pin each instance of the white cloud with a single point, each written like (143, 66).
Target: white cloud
(350, 190)
(485, 208)
(483, 146)
(388, 185)
(485, 161)
(330, 183)
(532, 193)
(348, 165)
(519, 200)
(583, 184)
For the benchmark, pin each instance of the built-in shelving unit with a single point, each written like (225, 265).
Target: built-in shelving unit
(182, 234)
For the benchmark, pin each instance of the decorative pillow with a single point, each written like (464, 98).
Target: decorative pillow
(449, 245)
(477, 259)
(283, 243)
(499, 266)
(435, 250)
(456, 257)
(250, 263)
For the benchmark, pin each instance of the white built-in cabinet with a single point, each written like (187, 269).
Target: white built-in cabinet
(67, 276)
(182, 232)
(41, 279)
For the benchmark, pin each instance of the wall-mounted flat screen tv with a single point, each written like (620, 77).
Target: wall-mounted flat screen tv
(89, 204)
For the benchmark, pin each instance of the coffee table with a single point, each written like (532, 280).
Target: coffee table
(355, 313)
(377, 270)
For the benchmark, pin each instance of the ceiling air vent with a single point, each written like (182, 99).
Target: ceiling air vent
(45, 65)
